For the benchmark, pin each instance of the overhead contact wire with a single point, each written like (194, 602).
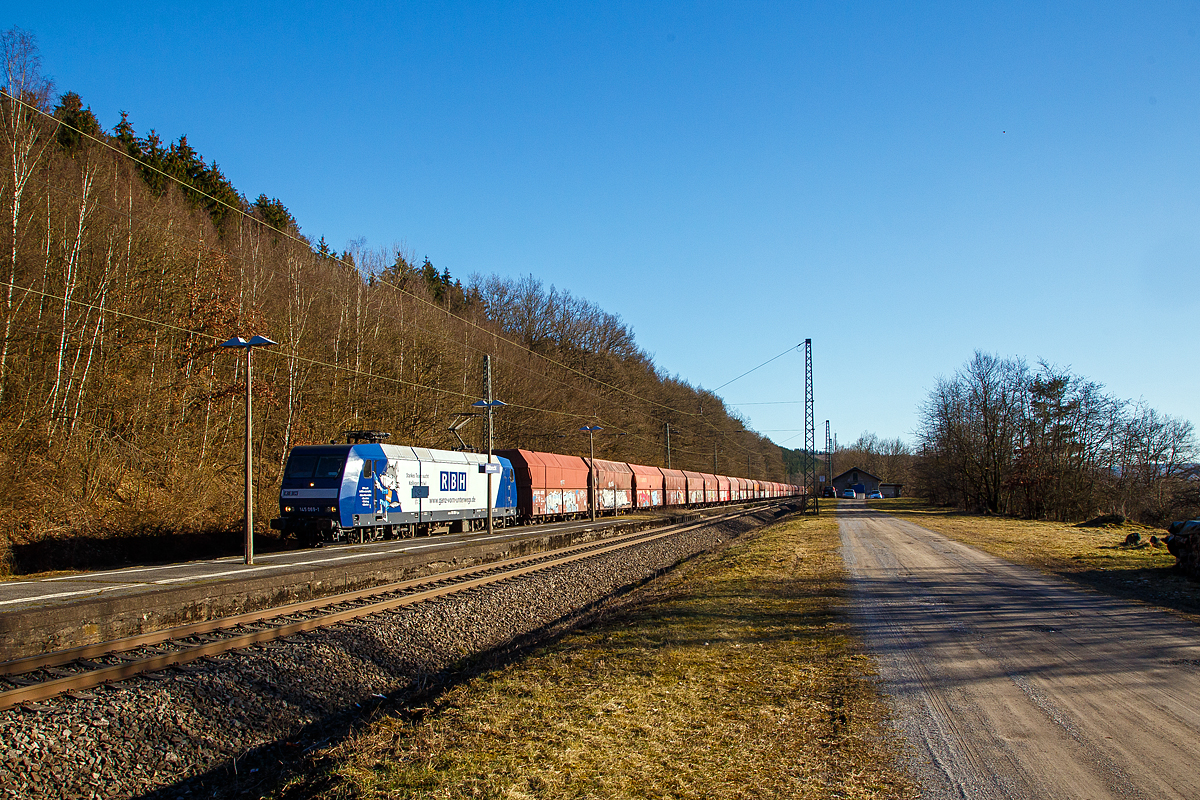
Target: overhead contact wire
(308, 247)
(242, 213)
(234, 257)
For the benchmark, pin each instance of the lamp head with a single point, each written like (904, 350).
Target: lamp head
(257, 341)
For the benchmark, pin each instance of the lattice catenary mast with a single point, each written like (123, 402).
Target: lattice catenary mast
(810, 431)
(828, 456)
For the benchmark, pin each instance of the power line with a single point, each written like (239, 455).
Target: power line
(769, 403)
(203, 335)
(760, 366)
(277, 354)
(308, 247)
(317, 362)
(225, 254)
(400, 290)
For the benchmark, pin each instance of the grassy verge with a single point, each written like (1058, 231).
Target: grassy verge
(1096, 557)
(733, 677)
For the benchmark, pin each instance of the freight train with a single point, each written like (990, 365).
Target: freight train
(362, 491)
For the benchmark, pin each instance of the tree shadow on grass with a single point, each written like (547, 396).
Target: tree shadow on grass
(268, 768)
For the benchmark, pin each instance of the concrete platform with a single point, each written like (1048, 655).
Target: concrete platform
(39, 616)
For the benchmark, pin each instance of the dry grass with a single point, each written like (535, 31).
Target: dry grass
(1095, 557)
(734, 677)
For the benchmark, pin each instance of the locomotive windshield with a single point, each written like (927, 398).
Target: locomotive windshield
(314, 466)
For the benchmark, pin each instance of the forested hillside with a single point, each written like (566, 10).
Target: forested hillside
(126, 261)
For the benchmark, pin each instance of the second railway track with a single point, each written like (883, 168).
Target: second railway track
(41, 677)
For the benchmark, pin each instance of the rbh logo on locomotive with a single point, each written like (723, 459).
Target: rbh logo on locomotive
(454, 482)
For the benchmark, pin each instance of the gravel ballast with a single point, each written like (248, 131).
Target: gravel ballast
(231, 726)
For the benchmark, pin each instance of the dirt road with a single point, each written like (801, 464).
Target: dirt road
(1011, 684)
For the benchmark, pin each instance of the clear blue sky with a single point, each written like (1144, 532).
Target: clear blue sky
(903, 183)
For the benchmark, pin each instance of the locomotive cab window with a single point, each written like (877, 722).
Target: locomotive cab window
(329, 466)
(367, 468)
(300, 466)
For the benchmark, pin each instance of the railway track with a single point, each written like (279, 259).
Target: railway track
(41, 677)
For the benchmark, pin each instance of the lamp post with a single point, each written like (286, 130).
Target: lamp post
(488, 403)
(747, 455)
(667, 428)
(591, 430)
(257, 341)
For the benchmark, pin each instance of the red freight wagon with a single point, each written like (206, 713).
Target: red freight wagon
(674, 487)
(695, 488)
(548, 484)
(647, 486)
(742, 489)
(614, 485)
(724, 489)
(710, 487)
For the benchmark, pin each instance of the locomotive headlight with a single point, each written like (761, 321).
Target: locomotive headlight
(287, 509)
(332, 509)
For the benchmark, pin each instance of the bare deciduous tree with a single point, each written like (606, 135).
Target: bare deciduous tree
(25, 91)
(999, 438)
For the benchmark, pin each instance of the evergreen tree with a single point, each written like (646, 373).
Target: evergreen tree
(204, 186)
(123, 133)
(273, 212)
(152, 157)
(77, 121)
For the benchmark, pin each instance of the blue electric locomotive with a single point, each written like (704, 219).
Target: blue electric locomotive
(365, 491)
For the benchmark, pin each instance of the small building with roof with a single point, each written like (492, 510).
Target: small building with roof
(861, 481)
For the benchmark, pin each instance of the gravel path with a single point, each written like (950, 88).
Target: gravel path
(1011, 683)
(232, 726)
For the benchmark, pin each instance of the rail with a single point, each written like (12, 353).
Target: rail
(41, 677)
